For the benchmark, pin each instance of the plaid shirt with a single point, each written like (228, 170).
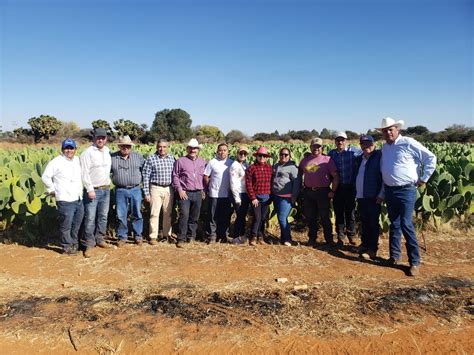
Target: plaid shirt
(258, 178)
(157, 170)
(346, 165)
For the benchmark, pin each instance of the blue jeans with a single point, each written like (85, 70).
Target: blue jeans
(219, 211)
(369, 212)
(124, 198)
(70, 215)
(95, 219)
(283, 208)
(240, 221)
(400, 206)
(189, 211)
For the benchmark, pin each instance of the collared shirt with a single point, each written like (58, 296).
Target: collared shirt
(63, 177)
(219, 178)
(237, 179)
(406, 161)
(127, 172)
(258, 178)
(188, 174)
(360, 178)
(317, 171)
(157, 170)
(95, 164)
(346, 164)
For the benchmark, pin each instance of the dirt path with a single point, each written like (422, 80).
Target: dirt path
(224, 299)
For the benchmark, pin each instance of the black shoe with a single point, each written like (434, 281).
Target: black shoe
(340, 243)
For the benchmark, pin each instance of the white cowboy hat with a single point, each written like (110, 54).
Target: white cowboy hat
(193, 143)
(125, 140)
(389, 122)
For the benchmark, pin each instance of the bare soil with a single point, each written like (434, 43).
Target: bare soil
(224, 298)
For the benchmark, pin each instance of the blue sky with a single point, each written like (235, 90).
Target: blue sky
(253, 65)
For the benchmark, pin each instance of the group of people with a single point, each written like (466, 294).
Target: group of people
(345, 175)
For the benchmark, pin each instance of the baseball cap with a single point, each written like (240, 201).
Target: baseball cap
(68, 143)
(365, 138)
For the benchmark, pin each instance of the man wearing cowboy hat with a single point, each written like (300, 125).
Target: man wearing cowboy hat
(95, 164)
(188, 181)
(127, 176)
(401, 163)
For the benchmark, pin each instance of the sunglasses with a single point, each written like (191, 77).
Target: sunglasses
(284, 154)
(125, 147)
(261, 156)
(243, 153)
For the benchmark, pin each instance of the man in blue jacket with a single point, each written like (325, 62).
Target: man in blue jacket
(369, 194)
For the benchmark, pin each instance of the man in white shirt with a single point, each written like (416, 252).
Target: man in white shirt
(401, 163)
(96, 163)
(217, 180)
(62, 178)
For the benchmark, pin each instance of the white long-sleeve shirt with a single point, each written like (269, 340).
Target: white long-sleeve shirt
(95, 164)
(63, 177)
(237, 179)
(406, 161)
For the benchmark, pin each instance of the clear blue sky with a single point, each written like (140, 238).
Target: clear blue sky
(252, 65)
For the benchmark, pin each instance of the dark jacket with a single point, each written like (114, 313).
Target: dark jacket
(372, 176)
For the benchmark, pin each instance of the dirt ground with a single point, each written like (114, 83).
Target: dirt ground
(224, 299)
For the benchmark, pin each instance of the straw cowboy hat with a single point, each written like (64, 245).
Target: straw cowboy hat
(193, 143)
(125, 140)
(389, 122)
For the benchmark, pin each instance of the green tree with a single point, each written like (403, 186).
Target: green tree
(124, 127)
(352, 135)
(417, 130)
(235, 136)
(377, 135)
(326, 134)
(102, 124)
(208, 134)
(44, 126)
(174, 125)
(68, 129)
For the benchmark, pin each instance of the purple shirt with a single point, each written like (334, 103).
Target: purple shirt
(188, 174)
(317, 171)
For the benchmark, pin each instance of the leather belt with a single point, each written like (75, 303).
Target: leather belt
(317, 188)
(399, 187)
(156, 184)
(103, 187)
(127, 187)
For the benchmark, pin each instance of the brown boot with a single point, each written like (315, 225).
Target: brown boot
(261, 241)
(253, 241)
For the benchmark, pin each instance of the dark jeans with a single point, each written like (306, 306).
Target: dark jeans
(70, 215)
(189, 215)
(369, 212)
(259, 216)
(316, 204)
(124, 198)
(400, 205)
(95, 218)
(283, 208)
(240, 221)
(344, 209)
(219, 211)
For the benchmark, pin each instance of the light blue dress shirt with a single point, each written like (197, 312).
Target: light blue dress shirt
(406, 161)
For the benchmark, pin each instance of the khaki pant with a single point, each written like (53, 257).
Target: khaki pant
(160, 197)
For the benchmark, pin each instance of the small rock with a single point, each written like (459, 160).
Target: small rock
(66, 284)
(281, 279)
(300, 287)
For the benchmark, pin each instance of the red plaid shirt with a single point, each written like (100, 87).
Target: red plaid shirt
(258, 179)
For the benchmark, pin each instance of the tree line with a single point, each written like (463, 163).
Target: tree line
(176, 125)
